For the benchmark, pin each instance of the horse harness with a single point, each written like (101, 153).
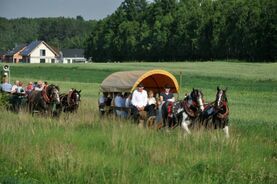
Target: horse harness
(222, 111)
(45, 96)
(190, 107)
(70, 100)
(187, 105)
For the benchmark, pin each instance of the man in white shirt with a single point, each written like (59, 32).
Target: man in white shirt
(139, 101)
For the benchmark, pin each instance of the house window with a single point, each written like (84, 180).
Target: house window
(42, 60)
(42, 52)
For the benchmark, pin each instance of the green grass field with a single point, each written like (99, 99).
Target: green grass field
(81, 148)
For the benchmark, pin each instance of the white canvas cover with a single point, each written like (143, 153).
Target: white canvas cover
(127, 81)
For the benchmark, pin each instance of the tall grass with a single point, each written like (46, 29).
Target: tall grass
(81, 148)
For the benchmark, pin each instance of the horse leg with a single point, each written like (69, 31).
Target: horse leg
(185, 123)
(226, 128)
(30, 107)
(208, 121)
(169, 122)
(226, 131)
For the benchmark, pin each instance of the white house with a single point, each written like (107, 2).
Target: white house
(72, 56)
(39, 52)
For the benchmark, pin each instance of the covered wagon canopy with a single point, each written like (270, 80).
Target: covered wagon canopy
(127, 81)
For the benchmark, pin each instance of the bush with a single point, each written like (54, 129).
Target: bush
(4, 100)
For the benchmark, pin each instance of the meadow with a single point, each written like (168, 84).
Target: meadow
(82, 148)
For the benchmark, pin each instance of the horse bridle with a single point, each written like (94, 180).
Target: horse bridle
(220, 100)
(194, 100)
(221, 103)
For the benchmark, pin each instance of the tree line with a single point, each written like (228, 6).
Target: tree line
(177, 30)
(59, 32)
(163, 30)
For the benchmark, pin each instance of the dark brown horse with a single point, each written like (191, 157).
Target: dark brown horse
(70, 101)
(44, 101)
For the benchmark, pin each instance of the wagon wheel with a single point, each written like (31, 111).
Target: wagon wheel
(159, 126)
(151, 121)
(142, 118)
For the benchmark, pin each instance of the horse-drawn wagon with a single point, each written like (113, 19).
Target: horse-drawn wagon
(125, 82)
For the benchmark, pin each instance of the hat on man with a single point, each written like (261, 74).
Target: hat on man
(140, 85)
(167, 86)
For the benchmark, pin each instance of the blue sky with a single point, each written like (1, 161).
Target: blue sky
(88, 9)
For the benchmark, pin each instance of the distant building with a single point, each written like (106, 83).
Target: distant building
(14, 56)
(72, 56)
(39, 52)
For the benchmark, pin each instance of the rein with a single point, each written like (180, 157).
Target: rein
(44, 95)
(69, 97)
(206, 106)
(187, 109)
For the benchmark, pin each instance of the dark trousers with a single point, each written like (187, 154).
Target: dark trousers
(134, 113)
(150, 109)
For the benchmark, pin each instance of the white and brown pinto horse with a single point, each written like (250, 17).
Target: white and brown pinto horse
(186, 112)
(221, 115)
(216, 114)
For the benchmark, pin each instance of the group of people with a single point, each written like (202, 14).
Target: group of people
(20, 89)
(139, 100)
(118, 100)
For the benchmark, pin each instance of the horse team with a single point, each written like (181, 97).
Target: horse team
(48, 101)
(193, 112)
